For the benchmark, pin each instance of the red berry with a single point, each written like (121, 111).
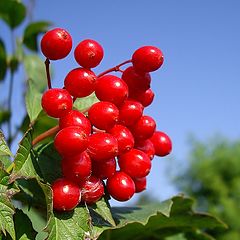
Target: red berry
(92, 190)
(147, 147)
(144, 97)
(135, 163)
(88, 53)
(124, 137)
(70, 141)
(136, 81)
(130, 112)
(104, 169)
(80, 82)
(102, 146)
(111, 89)
(121, 186)
(75, 118)
(77, 168)
(56, 44)
(103, 115)
(140, 184)
(144, 128)
(162, 143)
(147, 59)
(66, 195)
(57, 102)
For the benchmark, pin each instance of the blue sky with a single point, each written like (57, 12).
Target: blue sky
(197, 88)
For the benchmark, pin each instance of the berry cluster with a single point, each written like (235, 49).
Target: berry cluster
(114, 143)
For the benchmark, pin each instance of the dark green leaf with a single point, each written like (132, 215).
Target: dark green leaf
(4, 149)
(31, 33)
(23, 226)
(33, 101)
(3, 60)
(82, 104)
(4, 115)
(35, 70)
(12, 12)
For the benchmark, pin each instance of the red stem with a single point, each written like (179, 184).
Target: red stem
(114, 69)
(47, 63)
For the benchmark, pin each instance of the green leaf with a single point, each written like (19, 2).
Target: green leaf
(23, 226)
(82, 104)
(33, 101)
(4, 149)
(160, 220)
(3, 60)
(6, 206)
(12, 12)
(35, 70)
(31, 33)
(4, 115)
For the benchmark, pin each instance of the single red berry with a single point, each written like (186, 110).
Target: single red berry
(140, 184)
(147, 59)
(130, 112)
(147, 147)
(124, 137)
(75, 118)
(144, 97)
(102, 146)
(70, 141)
(136, 81)
(135, 163)
(57, 102)
(104, 169)
(56, 44)
(92, 190)
(121, 186)
(111, 89)
(88, 53)
(162, 143)
(144, 128)
(77, 168)
(80, 82)
(103, 115)
(66, 194)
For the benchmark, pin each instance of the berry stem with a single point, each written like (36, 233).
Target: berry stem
(114, 69)
(44, 135)
(47, 63)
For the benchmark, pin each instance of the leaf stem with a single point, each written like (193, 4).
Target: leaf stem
(47, 64)
(115, 69)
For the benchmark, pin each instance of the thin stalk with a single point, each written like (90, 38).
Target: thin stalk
(47, 64)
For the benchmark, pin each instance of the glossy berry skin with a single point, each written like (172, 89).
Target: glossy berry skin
(147, 147)
(77, 168)
(103, 115)
(104, 169)
(124, 137)
(88, 53)
(162, 143)
(144, 97)
(92, 190)
(102, 146)
(121, 186)
(66, 194)
(111, 89)
(75, 118)
(70, 141)
(130, 112)
(136, 81)
(135, 163)
(80, 82)
(56, 44)
(147, 59)
(144, 128)
(56, 102)
(140, 184)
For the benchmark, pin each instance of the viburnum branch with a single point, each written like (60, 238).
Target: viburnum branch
(47, 64)
(114, 69)
(46, 134)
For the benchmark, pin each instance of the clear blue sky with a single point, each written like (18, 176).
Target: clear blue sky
(197, 88)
